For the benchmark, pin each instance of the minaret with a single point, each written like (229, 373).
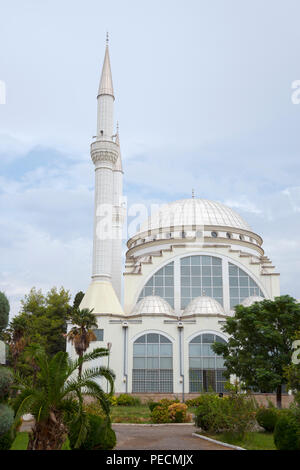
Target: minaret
(118, 219)
(105, 154)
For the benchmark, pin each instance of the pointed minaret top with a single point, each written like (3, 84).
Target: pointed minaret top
(106, 84)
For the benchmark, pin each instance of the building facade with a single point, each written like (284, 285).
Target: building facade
(186, 268)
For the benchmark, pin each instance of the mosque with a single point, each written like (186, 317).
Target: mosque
(186, 268)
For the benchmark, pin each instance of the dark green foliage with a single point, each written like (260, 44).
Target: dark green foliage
(6, 381)
(6, 440)
(100, 435)
(42, 321)
(193, 402)
(267, 418)
(287, 432)
(6, 418)
(4, 311)
(260, 343)
(153, 404)
(234, 413)
(56, 398)
(77, 299)
(127, 400)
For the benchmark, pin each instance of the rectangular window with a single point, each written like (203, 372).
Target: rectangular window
(99, 334)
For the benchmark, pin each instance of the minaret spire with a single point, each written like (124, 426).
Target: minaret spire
(106, 83)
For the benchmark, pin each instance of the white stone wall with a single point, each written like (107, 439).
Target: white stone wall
(133, 283)
(114, 333)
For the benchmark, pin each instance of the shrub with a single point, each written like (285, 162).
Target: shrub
(178, 413)
(128, 400)
(94, 408)
(6, 440)
(6, 381)
(100, 435)
(6, 418)
(153, 404)
(267, 418)
(160, 415)
(287, 432)
(234, 413)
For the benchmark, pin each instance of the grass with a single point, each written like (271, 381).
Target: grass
(252, 441)
(21, 442)
(130, 414)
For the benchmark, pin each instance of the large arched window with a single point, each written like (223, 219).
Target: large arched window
(199, 275)
(162, 284)
(152, 364)
(241, 285)
(205, 367)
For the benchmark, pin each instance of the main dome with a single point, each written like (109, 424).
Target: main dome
(194, 211)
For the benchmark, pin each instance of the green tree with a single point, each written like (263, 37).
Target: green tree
(56, 399)
(260, 343)
(4, 311)
(81, 334)
(292, 371)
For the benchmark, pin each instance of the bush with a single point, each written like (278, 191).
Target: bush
(128, 400)
(160, 415)
(94, 408)
(234, 413)
(6, 381)
(6, 440)
(267, 418)
(178, 413)
(100, 435)
(153, 404)
(6, 418)
(287, 432)
(193, 402)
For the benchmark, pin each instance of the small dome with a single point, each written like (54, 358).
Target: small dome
(152, 305)
(251, 300)
(204, 305)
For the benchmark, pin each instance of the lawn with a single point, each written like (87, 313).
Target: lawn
(133, 414)
(130, 414)
(252, 440)
(21, 442)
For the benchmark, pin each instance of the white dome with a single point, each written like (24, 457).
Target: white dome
(251, 300)
(204, 305)
(194, 212)
(152, 305)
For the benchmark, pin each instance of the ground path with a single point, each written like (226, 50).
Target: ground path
(162, 437)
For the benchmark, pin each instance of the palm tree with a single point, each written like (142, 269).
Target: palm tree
(82, 334)
(56, 398)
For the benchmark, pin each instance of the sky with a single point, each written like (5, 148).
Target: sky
(204, 101)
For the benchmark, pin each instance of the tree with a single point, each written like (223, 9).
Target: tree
(260, 343)
(292, 371)
(17, 337)
(56, 399)
(4, 311)
(82, 334)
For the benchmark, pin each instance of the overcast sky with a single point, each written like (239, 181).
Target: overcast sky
(203, 98)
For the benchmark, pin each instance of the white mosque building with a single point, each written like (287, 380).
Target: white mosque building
(186, 268)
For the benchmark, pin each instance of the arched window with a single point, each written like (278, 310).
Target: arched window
(241, 285)
(199, 275)
(152, 364)
(162, 284)
(205, 367)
